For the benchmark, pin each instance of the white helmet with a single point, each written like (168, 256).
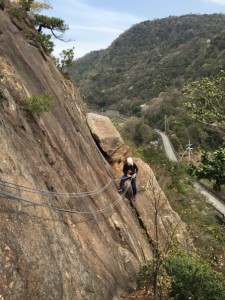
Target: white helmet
(130, 161)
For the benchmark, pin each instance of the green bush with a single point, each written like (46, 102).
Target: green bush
(46, 43)
(145, 275)
(26, 5)
(39, 103)
(16, 13)
(193, 278)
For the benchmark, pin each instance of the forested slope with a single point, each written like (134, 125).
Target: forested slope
(150, 58)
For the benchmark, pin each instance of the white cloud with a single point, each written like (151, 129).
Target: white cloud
(92, 27)
(81, 12)
(96, 28)
(217, 1)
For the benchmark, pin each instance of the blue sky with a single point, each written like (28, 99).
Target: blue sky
(95, 24)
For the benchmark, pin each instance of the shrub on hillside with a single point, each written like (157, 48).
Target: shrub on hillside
(193, 278)
(39, 103)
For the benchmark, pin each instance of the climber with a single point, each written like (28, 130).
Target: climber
(130, 171)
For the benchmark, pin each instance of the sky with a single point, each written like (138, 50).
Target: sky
(95, 24)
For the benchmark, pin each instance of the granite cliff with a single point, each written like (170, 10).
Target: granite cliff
(86, 246)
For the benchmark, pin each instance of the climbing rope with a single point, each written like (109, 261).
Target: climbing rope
(54, 194)
(21, 199)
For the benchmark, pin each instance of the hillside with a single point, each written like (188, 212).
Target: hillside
(150, 58)
(65, 231)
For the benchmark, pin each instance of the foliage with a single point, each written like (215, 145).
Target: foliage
(188, 277)
(15, 12)
(67, 57)
(207, 101)
(65, 61)
(159, 65)
(26, 4)
(212, 167)
(39, 103)
(145, 275)
(140, 133)
(51, 23)
(36, 7)
(149, 64)
(46, 42)
(193, 278)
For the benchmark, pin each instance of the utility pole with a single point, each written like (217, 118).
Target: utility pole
(188, 148)
(165, 123)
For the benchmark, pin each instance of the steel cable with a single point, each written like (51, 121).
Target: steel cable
(21, 199)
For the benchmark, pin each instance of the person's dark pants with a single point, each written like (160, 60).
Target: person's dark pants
(133, 184)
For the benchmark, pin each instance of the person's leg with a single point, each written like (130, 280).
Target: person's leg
(122, 180)
(134, 188)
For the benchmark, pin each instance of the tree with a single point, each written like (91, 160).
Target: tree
(192, 278)
(212, 167)
(26, 4)
(206, 103)
(65, 61)
(206, 106)
(32, 6)
(46, 43)
(36, 7)
(51, 23)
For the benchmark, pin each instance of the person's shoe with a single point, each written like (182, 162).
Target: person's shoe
(119, 190)
(135, 198)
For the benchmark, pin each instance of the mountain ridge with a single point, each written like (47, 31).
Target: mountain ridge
(149, 58)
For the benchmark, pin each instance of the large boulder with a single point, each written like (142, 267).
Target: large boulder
(107, 138)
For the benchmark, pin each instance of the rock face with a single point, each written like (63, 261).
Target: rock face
(108, 138)
(92, 250)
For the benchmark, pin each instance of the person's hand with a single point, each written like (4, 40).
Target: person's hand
(129, 173)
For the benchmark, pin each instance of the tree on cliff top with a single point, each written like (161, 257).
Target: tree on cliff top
(41, 21)
(33, 6)
(51, 23)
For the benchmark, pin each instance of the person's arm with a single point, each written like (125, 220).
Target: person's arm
(125, 169)
(136, 168)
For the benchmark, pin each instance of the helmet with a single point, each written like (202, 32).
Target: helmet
(129, 161)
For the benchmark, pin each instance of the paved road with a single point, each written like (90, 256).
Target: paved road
(167, 146)
(220, 206)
